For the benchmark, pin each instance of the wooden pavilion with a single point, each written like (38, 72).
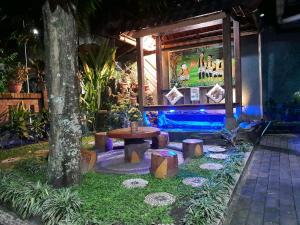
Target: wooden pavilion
(207, 29)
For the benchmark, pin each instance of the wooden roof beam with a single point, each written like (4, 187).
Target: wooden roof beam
(183, 25)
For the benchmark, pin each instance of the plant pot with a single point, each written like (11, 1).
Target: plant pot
(15, 87)
(101, 120)
(134, 126)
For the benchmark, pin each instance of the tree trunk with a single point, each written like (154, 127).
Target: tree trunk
(61, 69)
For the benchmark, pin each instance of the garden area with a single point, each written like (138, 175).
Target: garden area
(199, 194)
(78, 145)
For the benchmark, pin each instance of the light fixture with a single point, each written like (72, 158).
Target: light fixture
(172, 110)
(261, 15)
(149, 43)
(35, 31)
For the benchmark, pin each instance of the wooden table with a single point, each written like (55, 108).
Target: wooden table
(135, 145)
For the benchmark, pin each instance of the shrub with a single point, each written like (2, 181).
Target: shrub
(30, 199)
(55, 207)
(209, 204)
(62, 205)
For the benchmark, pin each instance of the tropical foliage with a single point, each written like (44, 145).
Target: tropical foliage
(24, 125)
(134, 114)
(119, 114)
(97, 66)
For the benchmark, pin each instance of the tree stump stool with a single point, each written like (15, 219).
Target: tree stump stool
(88, 160)
(135, 151)
(192, 148)
(102, 142)
(161, 141)
(164, 164)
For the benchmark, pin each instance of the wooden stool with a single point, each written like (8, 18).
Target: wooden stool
(102, 142)
(134, 152)
(161, 141)
(88, 160)
(164, 164)
(192, 148)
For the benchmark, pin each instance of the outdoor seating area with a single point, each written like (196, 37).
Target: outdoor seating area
(149, 112)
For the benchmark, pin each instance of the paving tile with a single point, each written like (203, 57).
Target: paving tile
(270, 189)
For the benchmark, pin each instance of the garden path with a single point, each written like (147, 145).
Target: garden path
(7, 218)
(269, 192)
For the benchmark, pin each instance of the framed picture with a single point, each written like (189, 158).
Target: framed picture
(195, 67)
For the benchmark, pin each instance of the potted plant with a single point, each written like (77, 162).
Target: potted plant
(17, 79)
(134, 116)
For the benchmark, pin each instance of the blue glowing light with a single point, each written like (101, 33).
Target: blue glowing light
(202, 110)
(172, 110)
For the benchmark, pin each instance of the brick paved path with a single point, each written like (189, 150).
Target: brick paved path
(269, 192)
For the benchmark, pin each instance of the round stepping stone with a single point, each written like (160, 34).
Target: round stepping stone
(42, 153)
(194, 181)
(218, 156)
(11, 160)
(135, 183)
(211, 166)
(214, 148)
(160, 199)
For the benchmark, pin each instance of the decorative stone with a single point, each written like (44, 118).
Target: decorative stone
(218, 156)
(11, 160)
(164, 164)
(194, 181)
(42, 153)
(135, 183)
(160, 199)
(102, 142)
(211, 166)
(192, 148)
(214, 148)
(161, 141)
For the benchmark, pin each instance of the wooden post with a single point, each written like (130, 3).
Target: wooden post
(159, 72)
(230, 122)
(140, 70)
(237, 57)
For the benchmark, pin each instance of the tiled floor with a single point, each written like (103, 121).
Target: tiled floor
(269, 192)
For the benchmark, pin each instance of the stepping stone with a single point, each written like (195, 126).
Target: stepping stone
(135, 183)
(218, 156)
(214, 148)
(11, 160)
(194, 181)
(42, 153)
(211, 166)
(160, 199)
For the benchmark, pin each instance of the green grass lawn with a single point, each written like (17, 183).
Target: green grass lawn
(106, 200)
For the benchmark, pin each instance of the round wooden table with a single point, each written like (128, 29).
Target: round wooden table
(135, 145)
